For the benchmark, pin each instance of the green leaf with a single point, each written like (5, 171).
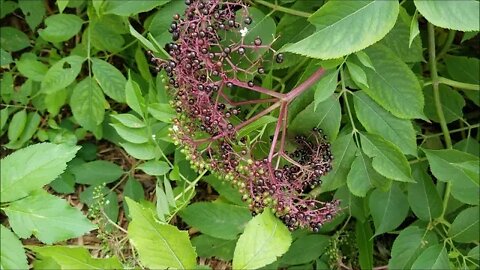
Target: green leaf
(225, 189)
(5, 58)
(326, 116)
(357, 74)
(96, 172)
(130, 8)
(398, 40)
(33, 120)
(356, 206)
(12, 254)
(106, 33)
(144, 151)
(377, 120)
(158, 245)
(414, 29)
(134, 96)
(7, 7)
(364, 240)
(47, 217)
(423, 196)
(12, 39)
(61, 27)
(55, 101)
(17, 125)
(393, 85)
(100, 196)
(145, 42)
(362, 177)
(65, 183)
(466, 227)
(162, 112)
(458, 167)
(162, 20)
(305, 249)
(450, 14)
(73, 257)
(465, 69)
(255, 125)
(220, 220)
(387, 158)
(31, 168)
(207, 246)
(62, 4)
(468, 145)
(154, 167)
(475, 253)
(33, 12)
(62, 74)
(354, 24)
(434, 257)
(133, 135)
(129, 120)
(110, 79)
(343, 149)
(87, 103)
(388, 209)
(452, 104)
(265, 238)
(408, 246)
(364, 59)
(325, 87)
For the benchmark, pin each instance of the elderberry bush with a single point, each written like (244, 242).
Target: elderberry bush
(212, 56)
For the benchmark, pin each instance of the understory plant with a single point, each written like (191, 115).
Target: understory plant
(239, 134)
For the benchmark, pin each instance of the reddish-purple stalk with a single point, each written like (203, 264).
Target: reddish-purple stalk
(201, 71)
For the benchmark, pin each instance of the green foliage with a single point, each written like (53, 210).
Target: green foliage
(398, 102)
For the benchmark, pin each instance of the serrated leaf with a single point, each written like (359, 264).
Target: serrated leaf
(207, 246)
(393, 85)
(434, 257)
(408, 246)
(414, 29)
(423, 196)
(87, 103)
(162, 112)
(12, 254)
(47, 217)
(387, 158)
(72, 257)
(31, 168)
(459, 168)
(110, 79)
(159, 245)
(466, 227)
(354, 24)
(362, 177)
(155, 167)
(96, 172)
(451, 14)
(265, 238)
(62, 74)
(61, 27)
(388, 209)
(378, 121)
(343, 149)
(220, 220)
(225, 189)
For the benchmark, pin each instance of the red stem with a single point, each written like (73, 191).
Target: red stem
(256, 88)
(305, 85)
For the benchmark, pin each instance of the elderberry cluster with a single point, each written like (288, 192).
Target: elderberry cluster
(211, 53)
